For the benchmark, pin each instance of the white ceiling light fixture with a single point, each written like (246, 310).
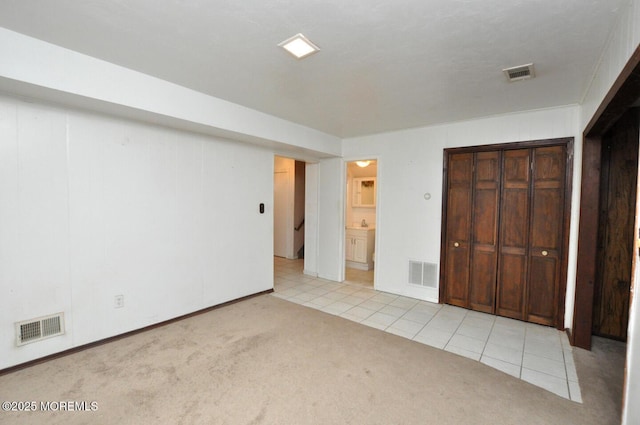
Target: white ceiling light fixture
(299, 46)
(363, 164)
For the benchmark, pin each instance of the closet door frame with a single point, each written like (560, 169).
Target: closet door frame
(568, 143)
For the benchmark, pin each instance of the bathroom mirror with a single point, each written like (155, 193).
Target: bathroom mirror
(364, 192)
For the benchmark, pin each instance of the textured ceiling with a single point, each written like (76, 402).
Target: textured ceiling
(384, 64)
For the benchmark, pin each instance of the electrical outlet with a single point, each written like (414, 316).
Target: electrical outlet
(119, 301)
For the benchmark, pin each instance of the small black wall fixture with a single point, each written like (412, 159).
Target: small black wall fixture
(261, 208)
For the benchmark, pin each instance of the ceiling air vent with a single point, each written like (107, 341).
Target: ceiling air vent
(518, 73)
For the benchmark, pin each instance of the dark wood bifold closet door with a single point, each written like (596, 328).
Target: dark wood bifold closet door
(546, 234)
(459, 228)
(505, 230)
(484, 239)
(472, 193)
(531, 233)
(514, 234)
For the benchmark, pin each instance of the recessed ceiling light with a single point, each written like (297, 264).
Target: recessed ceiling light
(299, 46)
(363, 164)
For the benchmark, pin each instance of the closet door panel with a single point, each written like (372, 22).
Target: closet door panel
(546, 234)
(541, 306)
(546, 229)
(483, 281)
(510, 292)
(515, 215)
(514, 229)
(458, 230)
(484, 239)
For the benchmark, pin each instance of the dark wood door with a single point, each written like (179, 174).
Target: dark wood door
(546, 234)
(531, 234)
(458, 228)
(472, 229)
(615, 233)
(484, 231)
(505, 231)
(514, 233)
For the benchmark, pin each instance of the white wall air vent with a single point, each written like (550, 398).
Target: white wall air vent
(518, 73)
(423, 274)
(38, 329)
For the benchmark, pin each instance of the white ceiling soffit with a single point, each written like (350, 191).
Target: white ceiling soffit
(384, 65)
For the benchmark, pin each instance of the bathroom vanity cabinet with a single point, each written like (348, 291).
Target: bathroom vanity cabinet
(359, 247)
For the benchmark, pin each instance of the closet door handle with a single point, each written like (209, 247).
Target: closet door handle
(456, 244)
(545, 253)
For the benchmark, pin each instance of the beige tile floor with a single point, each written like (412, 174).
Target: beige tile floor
(537, 354)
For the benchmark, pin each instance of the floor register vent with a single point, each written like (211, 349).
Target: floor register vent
(423, 274)
(38, 329)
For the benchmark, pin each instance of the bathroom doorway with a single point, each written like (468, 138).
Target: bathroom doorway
(360, 219)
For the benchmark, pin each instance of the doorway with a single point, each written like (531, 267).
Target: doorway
(288, 208)
(622, 97)
(618, 182)
(360, 221)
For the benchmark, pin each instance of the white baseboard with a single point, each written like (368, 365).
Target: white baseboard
(359, 266)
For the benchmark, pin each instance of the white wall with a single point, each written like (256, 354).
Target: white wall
(93, 207)
(311, 211)
(331, 178)
(631, 412)
(410, 164)
(623, 41)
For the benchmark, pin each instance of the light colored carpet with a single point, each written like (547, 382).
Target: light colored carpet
(268, 361)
